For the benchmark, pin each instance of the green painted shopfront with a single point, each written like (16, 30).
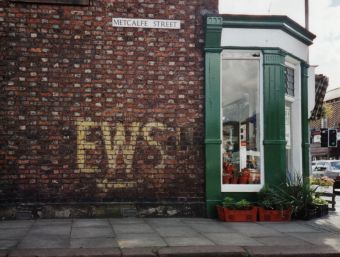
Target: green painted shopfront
(256, 115)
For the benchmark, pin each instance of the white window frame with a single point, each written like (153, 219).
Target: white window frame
(243, 55)
(295, 104)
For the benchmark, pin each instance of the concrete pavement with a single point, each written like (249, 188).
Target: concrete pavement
(169, 237)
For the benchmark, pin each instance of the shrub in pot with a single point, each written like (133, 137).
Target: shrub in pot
(274, 206)
(300, 195)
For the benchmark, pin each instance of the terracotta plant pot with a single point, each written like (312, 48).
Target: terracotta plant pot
(220, 213)
(234, 180)
(227, 178)
(240, 215)
(244, 178)
(275, 215)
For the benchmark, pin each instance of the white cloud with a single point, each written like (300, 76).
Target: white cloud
(324, 22)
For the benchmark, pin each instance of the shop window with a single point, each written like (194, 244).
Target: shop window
(241, 122)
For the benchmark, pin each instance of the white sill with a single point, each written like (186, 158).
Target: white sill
(241, 187)
(289, 98)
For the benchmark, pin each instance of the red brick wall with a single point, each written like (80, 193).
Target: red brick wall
(90, 112)
(333, 120)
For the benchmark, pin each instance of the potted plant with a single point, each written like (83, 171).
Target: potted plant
(228, 170)
(321, 206)
(273, 206)
(244, 176)
(301, 196)
(239, 211)
(236, 176)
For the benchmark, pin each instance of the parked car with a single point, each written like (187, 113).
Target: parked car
(329, 168)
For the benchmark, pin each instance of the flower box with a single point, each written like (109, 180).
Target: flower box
(275, 215)
(231, 215)
(220, 213)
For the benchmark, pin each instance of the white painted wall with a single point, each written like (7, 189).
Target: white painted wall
(239, 37)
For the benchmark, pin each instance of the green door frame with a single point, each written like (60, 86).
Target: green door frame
(274, 142)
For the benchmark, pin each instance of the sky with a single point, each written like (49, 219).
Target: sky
(324, 22)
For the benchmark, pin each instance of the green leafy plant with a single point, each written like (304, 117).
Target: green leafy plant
(230, 203)
(243, 205)
(319, 201)
(300, 195)
(273, 198)
(296, 193)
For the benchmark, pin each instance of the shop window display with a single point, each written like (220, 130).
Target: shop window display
(241, 120)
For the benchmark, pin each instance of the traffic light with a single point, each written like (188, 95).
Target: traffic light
(324, 137)
(332, 139)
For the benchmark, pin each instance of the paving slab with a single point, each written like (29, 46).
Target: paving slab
(52, 222)
(188, 241)
(140, 240)
(252, 229)
(176, 231)
(97, 242)
(44, 241)
(132, 228)
(293, 251)
(289, 227)
(108, 252)
(164, 222)
(52, 230)
(16, 224)
(200, 220)
(92, 232)
(13, 233)
(90, 223)
(232, 239)
(202, 251)
(8, 244)
(281, 240)
(318, 238)
(139, 252)
(126, 221)
(329, 223)
(210, 228)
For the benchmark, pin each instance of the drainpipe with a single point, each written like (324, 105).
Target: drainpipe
(307, 14)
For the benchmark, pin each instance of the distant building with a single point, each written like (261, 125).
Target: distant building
(328, 116)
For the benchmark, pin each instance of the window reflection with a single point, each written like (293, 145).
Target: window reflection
(241, 121)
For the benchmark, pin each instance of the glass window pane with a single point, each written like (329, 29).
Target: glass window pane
(289, 81)
(241, 122)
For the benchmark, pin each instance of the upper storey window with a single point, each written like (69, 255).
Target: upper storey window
(289, 81)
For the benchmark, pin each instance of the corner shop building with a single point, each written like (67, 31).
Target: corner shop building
(108, 120)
